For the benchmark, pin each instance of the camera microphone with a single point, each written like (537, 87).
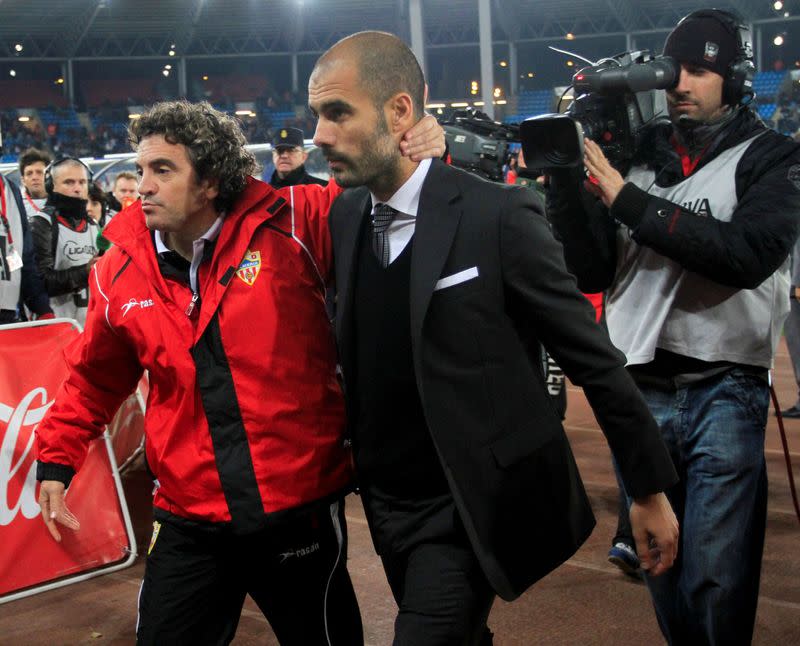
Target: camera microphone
(659, 74)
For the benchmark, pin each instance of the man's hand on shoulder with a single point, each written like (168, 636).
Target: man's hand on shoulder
(655, 529)
(54, 509)
(425, 140)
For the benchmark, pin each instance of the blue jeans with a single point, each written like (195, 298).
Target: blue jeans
(714, 430)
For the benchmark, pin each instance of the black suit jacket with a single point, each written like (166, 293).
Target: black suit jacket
(475, 341)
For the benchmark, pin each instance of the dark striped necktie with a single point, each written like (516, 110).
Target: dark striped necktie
(381, 219)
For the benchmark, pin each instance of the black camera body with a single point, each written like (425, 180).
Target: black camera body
(615, 99)
(478, 144)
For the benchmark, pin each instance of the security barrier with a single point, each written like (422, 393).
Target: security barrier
(31, 369)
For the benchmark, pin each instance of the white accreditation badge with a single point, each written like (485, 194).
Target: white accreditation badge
(13, 259)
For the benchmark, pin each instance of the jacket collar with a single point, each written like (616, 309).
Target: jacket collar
(257, 204)
(292, 178)
(437, 220)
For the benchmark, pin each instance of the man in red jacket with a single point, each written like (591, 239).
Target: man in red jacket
(215, 285)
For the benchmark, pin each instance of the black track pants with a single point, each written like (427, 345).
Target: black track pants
(196, 580)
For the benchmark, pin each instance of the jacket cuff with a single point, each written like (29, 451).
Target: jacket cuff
(53, 471)
(630, 205)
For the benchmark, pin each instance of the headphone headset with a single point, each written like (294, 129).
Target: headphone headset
(48, 172)
(737, 87)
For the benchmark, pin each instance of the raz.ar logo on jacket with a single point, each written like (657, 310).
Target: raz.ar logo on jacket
(249, 267)
(148, 302)
(701, 206)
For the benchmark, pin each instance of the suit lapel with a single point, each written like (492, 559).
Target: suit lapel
(352, 217)
(437, 221)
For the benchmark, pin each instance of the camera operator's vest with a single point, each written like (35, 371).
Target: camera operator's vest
(10, 281)
(654, 302)
(71, 249)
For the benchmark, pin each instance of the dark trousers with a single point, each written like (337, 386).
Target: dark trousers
(196, 579)
(442, 595)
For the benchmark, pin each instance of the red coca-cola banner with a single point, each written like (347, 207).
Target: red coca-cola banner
(31, 370)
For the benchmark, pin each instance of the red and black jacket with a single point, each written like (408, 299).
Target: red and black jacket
(245, 417)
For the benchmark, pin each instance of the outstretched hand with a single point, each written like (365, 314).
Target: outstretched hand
(605, 181)
(655, 530)
(425, 140)
(54, 509)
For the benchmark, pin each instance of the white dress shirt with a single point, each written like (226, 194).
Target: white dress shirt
(406, 202)
(197, 248)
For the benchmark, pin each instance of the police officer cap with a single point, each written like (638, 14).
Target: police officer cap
(288, 138)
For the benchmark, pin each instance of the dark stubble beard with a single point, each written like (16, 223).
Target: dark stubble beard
(378, 165)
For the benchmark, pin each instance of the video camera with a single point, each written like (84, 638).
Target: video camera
(615, 99)
(478, 144)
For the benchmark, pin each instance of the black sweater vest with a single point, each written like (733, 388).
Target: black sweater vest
(394, 450)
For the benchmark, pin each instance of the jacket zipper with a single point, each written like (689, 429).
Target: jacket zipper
(190, 309)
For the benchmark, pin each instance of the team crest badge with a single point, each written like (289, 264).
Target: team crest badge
(711, 51)
(249, 267)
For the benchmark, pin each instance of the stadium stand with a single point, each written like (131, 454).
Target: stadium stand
(99, 92)
(532, 103)
(30, 94)
(768, 84)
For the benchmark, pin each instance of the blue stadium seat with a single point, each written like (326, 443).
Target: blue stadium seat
(534, 102)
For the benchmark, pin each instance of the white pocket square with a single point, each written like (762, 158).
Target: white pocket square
(455, 279)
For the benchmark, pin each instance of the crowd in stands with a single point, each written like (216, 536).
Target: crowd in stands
(18, 136)
(61, 131)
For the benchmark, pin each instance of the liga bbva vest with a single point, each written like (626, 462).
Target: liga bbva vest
(656, 303)
(10, 281)
(72, 249)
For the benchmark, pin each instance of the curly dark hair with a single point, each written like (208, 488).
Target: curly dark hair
(214, 141)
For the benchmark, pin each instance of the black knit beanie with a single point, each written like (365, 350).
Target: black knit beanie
(705, 41)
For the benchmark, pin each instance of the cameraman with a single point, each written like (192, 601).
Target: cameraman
(692, 246)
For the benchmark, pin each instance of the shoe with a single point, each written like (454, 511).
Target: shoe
(625, 558)
(792, 413)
